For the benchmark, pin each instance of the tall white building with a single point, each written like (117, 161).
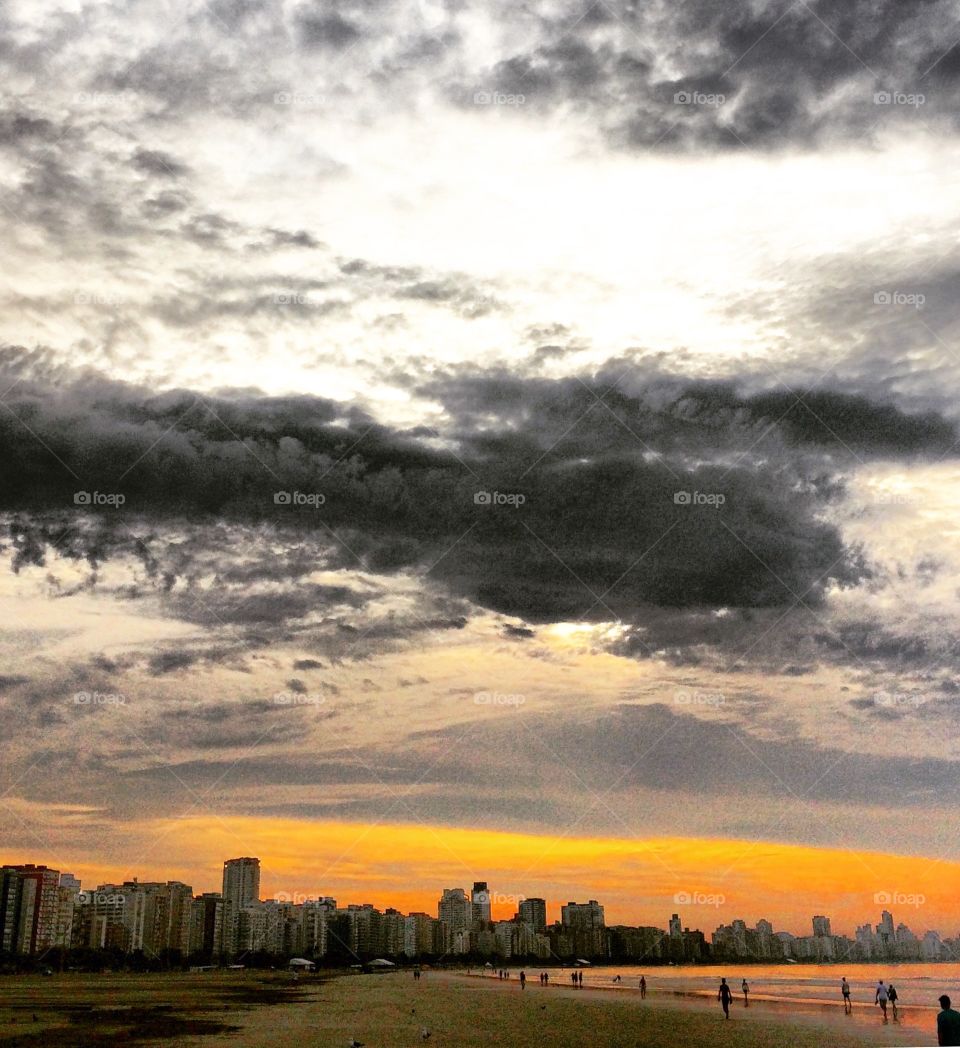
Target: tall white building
(455, 909)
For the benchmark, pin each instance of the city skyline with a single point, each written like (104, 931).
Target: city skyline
(241, 879)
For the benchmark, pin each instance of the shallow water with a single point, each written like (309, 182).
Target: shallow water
(918, 985)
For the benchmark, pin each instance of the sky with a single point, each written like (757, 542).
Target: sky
(448, 441)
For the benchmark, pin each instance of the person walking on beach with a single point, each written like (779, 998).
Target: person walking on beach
(948, 1024)
(881, 997)
(580, 979)
(643, 987)
(724, 996)
(845, 990)
(573, 978)
(892, 995)
(745, 989)
(523, 980)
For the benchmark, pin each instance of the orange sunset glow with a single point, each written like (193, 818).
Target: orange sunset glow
(406, 866)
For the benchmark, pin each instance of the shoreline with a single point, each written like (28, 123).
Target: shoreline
(661, 992)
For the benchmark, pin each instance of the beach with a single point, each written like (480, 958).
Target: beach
(271, 1009)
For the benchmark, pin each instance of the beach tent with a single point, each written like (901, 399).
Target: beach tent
(301, 964)
(381, 963)
(582, 962)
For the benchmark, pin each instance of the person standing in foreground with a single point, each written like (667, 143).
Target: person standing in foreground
(523, 980)
(880, 997)
(724, 996)
(948, 1024)
(745, 989)
(643, 987)
(845, 990)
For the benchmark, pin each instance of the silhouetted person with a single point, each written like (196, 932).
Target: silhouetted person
(948, 1024)
(523, 980)
(546, 978)
(745, 990)
(643, 987)
(881, 998)
(892, 994)
(580, 979)
(724, 996)
(845, 990)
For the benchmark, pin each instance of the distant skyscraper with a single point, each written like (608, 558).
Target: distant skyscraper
(534, 913)
(885, 927)
(29, 907)
(480, 897)
(585, 915)
(455, 910)
(821, 926)
(676, 927)
(241, 890)
(241, 882)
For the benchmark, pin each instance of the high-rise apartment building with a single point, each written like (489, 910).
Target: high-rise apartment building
(534, 913)
(480, 897)
(455, 909)
(821, 926)
(29, 907)
(241, 889)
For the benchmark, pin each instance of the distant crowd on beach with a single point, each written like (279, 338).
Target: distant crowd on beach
(885, 997)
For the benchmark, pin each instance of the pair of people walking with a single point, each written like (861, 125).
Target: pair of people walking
(886, 995)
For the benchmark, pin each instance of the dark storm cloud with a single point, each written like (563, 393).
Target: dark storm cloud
(661, 746)
(765, 75)
(596, 527)
(886, 318)
(330, 30)
(446, 775)
(158, 163)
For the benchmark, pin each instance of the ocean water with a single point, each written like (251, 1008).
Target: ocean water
(918, 985)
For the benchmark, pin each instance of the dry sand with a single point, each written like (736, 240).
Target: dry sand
(256, 1010)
